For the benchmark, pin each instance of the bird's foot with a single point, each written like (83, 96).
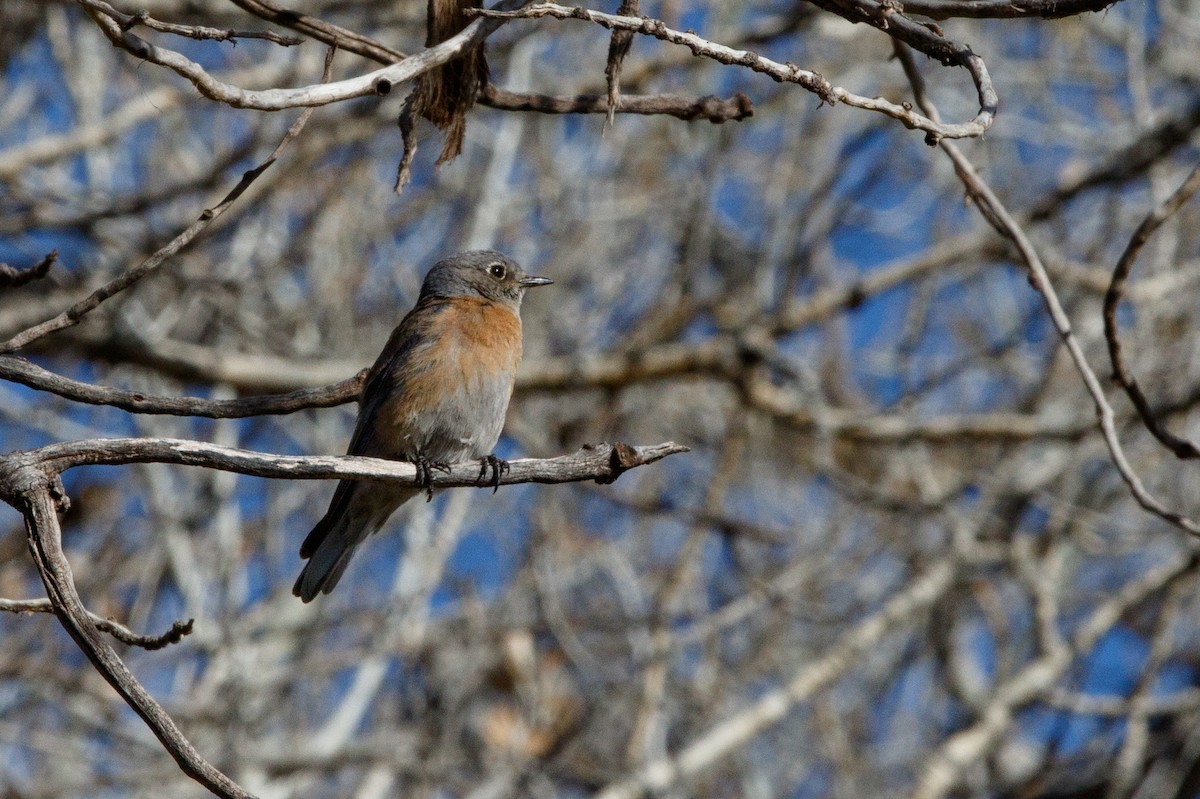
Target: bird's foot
(425, 469)
(498, 467)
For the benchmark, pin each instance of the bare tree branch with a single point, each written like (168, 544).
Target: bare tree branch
(1131, 758)
(1186, 700)
(1182, 448)
(45, 543)
(1004, 9)
(711, 108)
(612, 370)
(11, 277)
(348, 40)
(790, 73)
(27, 480)
(1127, 162)
(603, 463)
(130, 21)
(114, 628)
(378, 82)
(19, 370)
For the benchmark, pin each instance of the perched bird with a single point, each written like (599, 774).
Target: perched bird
(436, 396)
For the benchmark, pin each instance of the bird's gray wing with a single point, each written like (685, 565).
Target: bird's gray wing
(359, 508)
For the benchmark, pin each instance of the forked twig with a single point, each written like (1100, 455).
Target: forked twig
(178, 630)
(45, 544)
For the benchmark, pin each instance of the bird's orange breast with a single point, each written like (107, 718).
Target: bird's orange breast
(474, 349)
(481, 340)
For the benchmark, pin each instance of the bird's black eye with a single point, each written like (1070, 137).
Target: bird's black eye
(496, 271)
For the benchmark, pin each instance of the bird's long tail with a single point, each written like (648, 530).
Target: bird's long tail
(358, 509)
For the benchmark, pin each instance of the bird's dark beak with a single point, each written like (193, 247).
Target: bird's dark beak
(531, 281)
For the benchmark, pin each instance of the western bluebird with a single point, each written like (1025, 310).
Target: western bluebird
(437, 395)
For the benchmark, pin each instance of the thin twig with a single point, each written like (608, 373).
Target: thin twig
(19, 370)
(72, 315)
(925, 37)
(327, 32)
(203, 32)
(710, 107)
(1181, 447)
(11, 276)
(114, 628)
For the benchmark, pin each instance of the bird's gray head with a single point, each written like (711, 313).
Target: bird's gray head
(480, 273)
